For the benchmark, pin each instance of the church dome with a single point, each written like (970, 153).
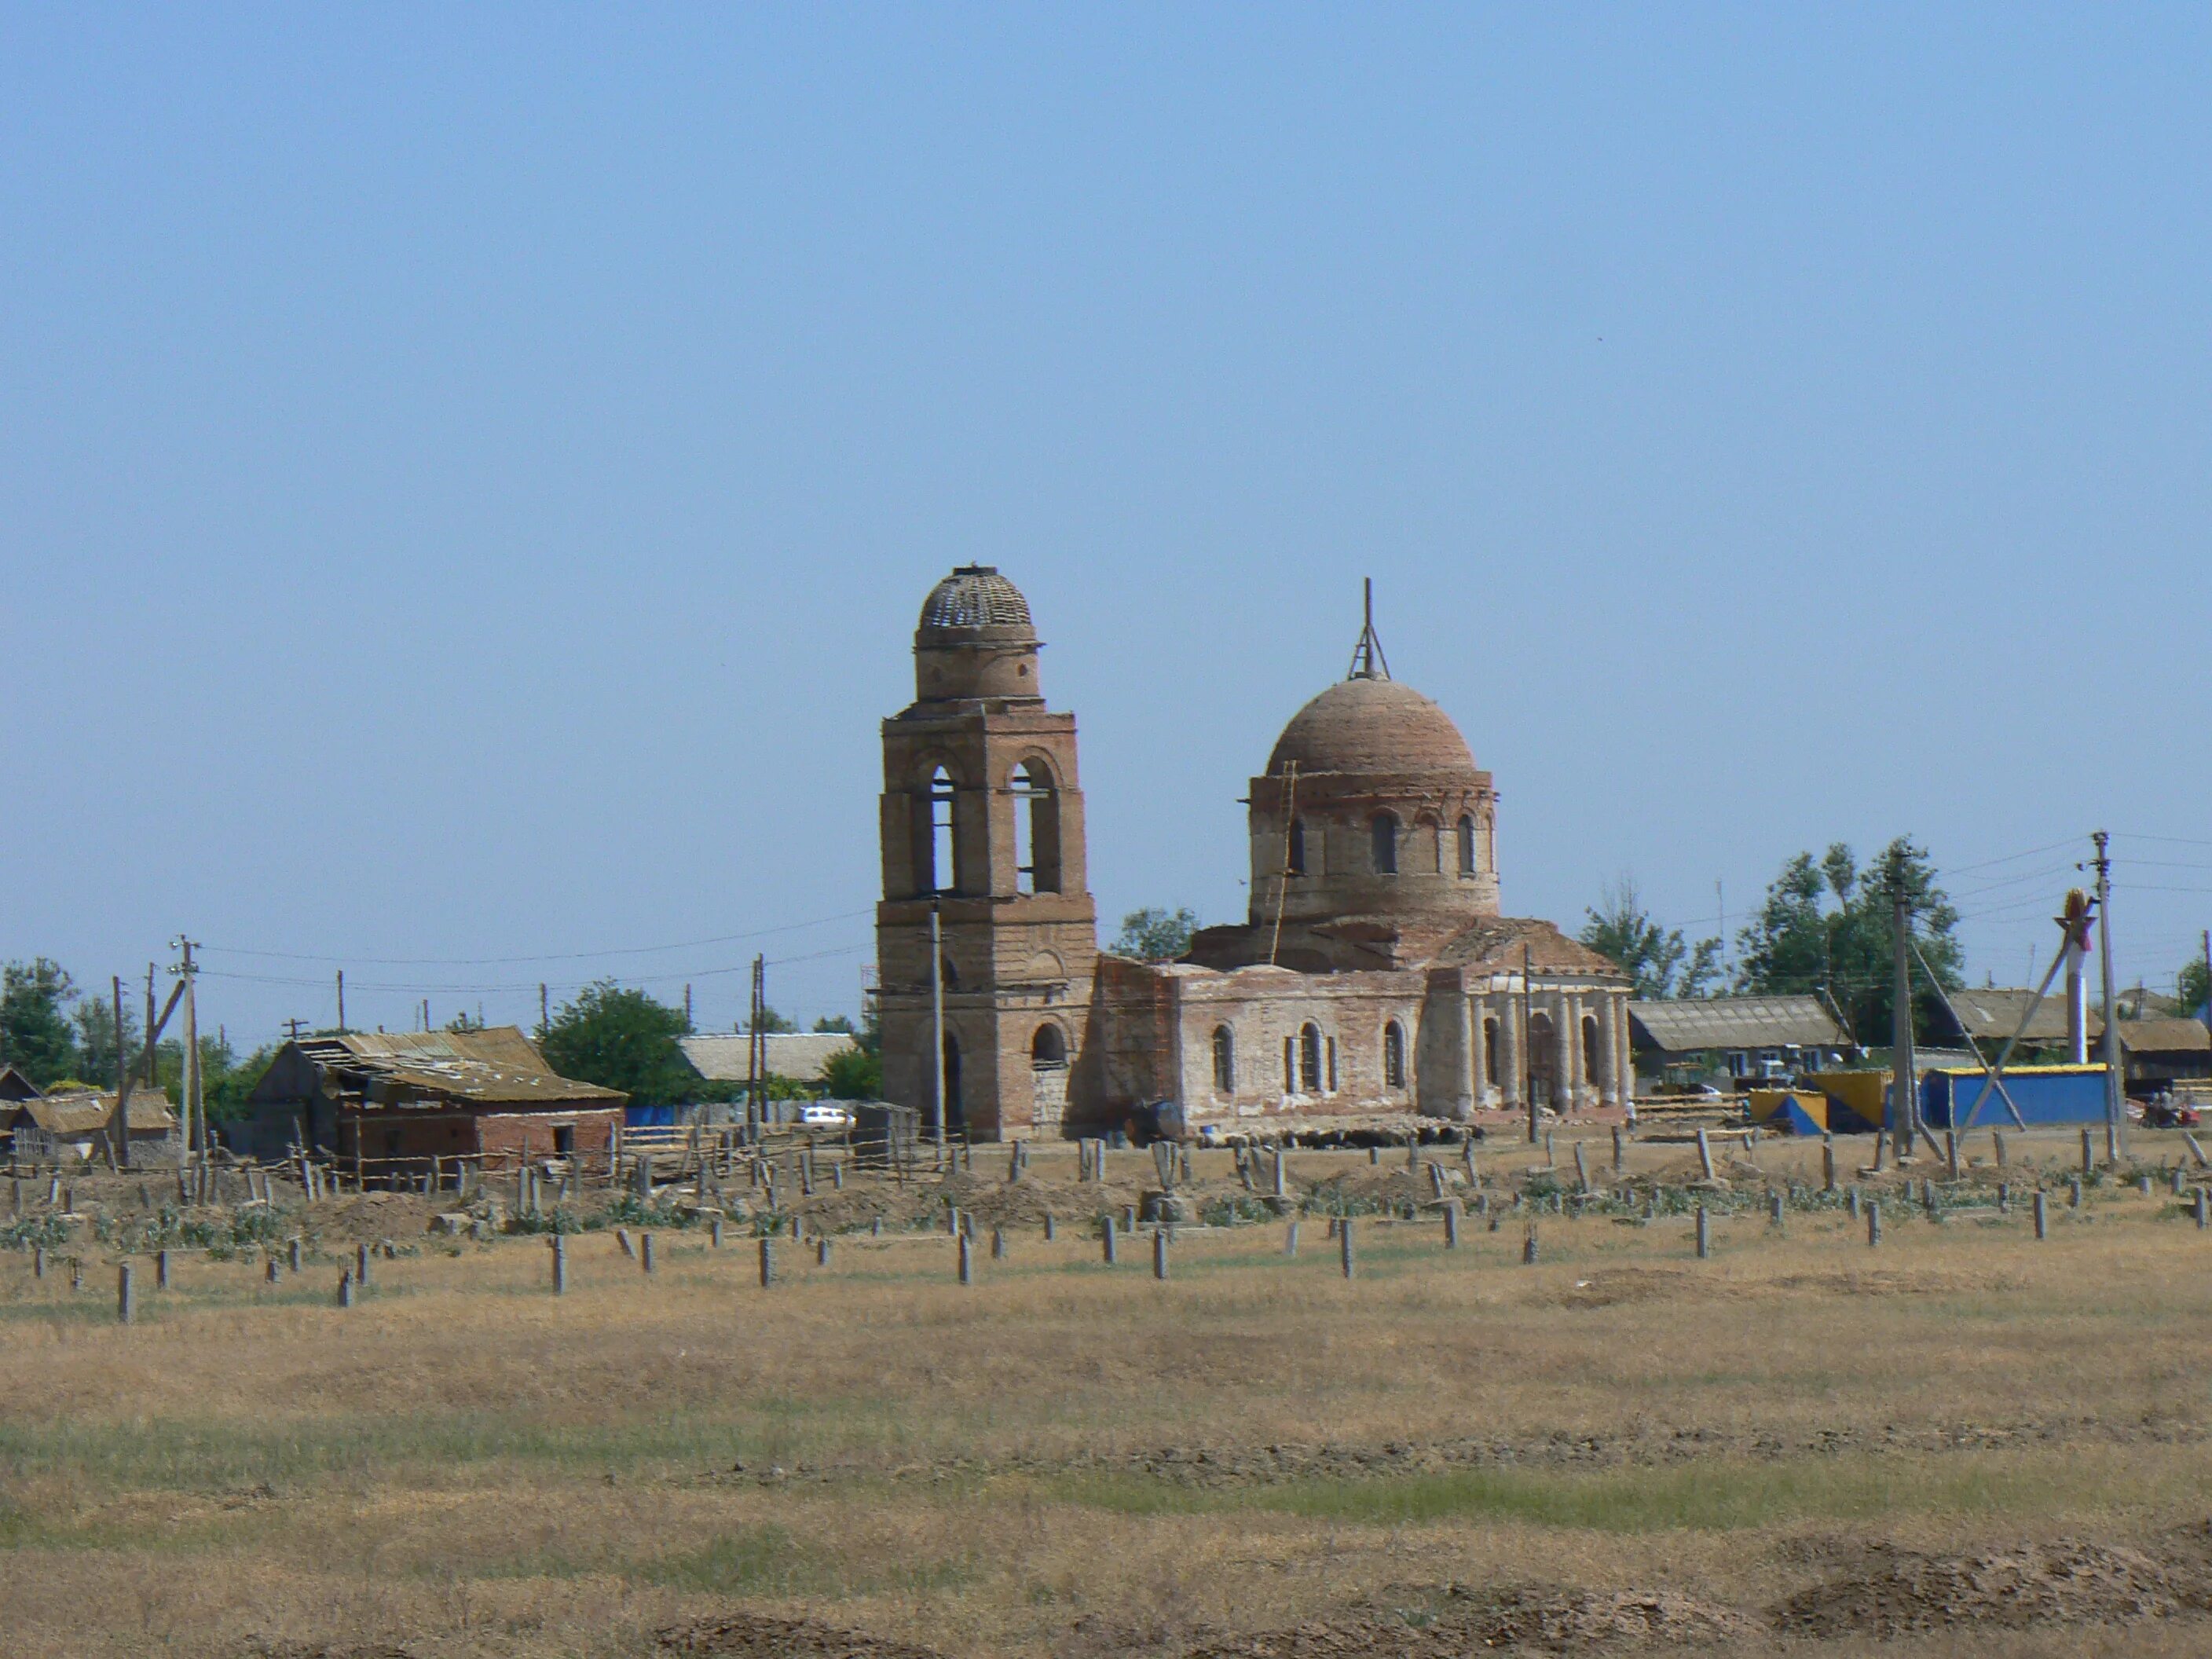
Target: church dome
(975, 603)
(1371, 725)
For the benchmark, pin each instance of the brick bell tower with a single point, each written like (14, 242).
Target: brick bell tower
(982, 830)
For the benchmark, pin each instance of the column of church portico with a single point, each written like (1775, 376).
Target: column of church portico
(1608, 1050)
(1478, 1051)
(1510, 1036)
(1625, 1039)
(1570, 1065)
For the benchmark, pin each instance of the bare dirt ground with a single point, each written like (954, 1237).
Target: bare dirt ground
(1963, 1441)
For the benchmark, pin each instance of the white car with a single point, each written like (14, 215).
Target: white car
(823, 1115)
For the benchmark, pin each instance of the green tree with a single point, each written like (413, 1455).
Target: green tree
(2191, 986)
(1661, 961)
(1825, 927)
(95, 1020)
(1155, 935)
(770, 1022)
(622, 1039)
(854, 1074)
(227, 1091)
(35, 1037)
(836, 1023)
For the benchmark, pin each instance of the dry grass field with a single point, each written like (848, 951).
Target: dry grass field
(1961, 1442)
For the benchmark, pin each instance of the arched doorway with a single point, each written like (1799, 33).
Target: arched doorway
(1047, 1077)
(1543, 1060)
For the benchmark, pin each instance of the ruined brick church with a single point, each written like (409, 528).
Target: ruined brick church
(1375, 975)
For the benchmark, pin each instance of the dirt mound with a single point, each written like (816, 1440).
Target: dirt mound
(322, 1651)
(1892, 1592)
(756, 1636)
(1533, 1618)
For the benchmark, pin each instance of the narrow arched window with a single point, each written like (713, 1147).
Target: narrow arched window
(1309, 1059)
(1394, 1055)
(1295, 862)
(1049, 1047)
(1467, 844)
(1383, 833)
(1289, 1065)
(944, 868)
(1037, 829)
(1225, 1061)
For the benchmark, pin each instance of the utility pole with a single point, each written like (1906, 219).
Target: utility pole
(2115, 1090)
(2207, 978)
(292, 1030)
(1903, 1085)
(937, 1022)
(340, 1002)
(757, 1054)
(687, 1007)
(118, 1139)
(195, 1124)
(544, 1012)
(150, 1025)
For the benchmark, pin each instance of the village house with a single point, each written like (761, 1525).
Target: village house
(397, 1101)
(75, 1128)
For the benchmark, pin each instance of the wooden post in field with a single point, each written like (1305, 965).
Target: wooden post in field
(967, 1260)
(645, 1251)
(1051, 1227)
(1160, 1252)
(1344, 1246)
(126, 1295)
(821, 1251)
(1827, 1164)
(998, 1244)
(1704, 1155)
(1451, 1224)
(1951, 1152)
(2042, 1214)
(1529, 1247)
(1290, 1239)
(1618, 1149)
(2003, 1153)
(2004, 1198)
(1281, 1189)
(1106, 1237)
(767, 1262)
(2089, 1152)
(345, 1290)
(1581, 1171)
(2202, 1210)
(161, 1270)
(361, 1265)
(1774, 1209)
(560, 1265)
(1874, 1224)
(622, 1238)
(1705, 1233)
(293, 1247)
(2195, 1151)
(2074, 1194)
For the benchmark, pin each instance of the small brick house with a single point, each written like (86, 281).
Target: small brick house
(397, 1101)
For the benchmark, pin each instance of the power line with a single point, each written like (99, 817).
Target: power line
(557, 956)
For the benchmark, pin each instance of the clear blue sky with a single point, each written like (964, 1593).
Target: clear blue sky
(467, 476)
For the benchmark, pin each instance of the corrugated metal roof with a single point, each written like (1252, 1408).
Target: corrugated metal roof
(799, 1055)
(1689, 1027)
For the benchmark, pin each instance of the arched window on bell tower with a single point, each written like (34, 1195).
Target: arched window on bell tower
(1467, 844)
(1036, 828)
(944, 865)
